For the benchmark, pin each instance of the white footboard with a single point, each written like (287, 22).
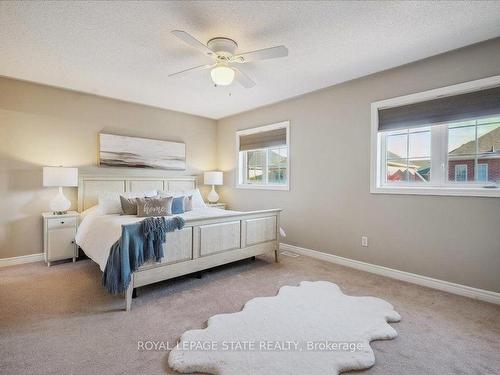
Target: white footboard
(206, 243)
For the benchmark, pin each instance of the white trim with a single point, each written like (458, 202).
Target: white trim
(461, 290)
(263, 187)
(457, 89)
(264, 128)
(21, 260)
(376, 177)
(450, 191)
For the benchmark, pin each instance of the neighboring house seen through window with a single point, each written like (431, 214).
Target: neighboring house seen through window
(471, 150)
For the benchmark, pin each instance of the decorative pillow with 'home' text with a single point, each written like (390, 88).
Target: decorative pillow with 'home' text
(154, 206)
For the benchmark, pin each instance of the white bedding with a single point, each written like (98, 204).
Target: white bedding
(97, 232)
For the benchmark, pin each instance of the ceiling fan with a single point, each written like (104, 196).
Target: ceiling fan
(222, 51)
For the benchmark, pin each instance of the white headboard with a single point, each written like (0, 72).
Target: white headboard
(90, 186)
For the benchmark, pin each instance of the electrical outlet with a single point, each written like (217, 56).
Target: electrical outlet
(364, 241)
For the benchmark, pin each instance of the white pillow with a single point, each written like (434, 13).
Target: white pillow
(92, 211)
(170, 193)
(197, 199)
(109, 202)
(188, 203)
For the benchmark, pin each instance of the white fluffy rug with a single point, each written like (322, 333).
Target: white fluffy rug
(311, 329)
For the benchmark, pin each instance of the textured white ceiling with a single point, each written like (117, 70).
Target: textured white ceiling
(125, 50)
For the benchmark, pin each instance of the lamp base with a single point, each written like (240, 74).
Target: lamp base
(213, 197)
(60, 204)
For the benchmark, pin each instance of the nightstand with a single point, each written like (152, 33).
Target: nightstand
(59, 236)
(222, 206)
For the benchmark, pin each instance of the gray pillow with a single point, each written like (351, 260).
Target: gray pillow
(129, 205)
(154, 206)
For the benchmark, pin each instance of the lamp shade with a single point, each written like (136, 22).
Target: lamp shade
(213, 178)
(60, 176)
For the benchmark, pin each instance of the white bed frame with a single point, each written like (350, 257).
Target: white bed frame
(202, 243)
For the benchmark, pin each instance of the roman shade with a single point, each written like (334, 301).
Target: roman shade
(455, 108)
(275, 137)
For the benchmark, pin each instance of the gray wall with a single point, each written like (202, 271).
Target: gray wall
(329, 205)
(40, 125)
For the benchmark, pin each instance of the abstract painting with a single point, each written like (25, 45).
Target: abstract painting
(122, 151)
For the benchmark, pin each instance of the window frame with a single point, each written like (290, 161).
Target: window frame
(439, 141)
(241, 162)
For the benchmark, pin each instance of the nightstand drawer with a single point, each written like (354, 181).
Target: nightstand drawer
(63, 222)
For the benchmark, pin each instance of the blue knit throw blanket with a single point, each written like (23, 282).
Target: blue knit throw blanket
(140, 242)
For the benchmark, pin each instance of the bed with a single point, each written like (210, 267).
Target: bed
(210, 237)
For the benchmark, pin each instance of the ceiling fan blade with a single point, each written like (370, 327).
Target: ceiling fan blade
(187, 71)
(193, 42)
(261, 54)
(243, 79)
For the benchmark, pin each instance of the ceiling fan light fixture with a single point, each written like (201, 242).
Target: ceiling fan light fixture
(222, 75)
(223, 70)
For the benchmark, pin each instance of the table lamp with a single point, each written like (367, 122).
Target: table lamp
(213, 178)
(60, 177)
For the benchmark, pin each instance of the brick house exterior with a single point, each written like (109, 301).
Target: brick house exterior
(493, 168)
(463, 155)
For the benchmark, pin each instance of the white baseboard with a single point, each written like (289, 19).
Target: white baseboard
(462, 290)
(22, 259)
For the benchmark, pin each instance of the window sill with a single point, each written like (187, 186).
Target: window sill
(263, 187)
(447, 191)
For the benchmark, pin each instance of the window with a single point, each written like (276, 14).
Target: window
(442, 142)
(408, 154)
(263, 157)
(482, 172)
(461, 172)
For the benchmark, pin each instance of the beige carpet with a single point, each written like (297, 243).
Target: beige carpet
(59, 320)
